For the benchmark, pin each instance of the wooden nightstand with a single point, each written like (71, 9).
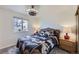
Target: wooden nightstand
(67, 45)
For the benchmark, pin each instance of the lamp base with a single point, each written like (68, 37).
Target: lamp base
(66, 36)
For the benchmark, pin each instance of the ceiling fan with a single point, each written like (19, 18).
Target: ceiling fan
(32, 11)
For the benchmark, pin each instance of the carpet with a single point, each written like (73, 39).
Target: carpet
(15, 50)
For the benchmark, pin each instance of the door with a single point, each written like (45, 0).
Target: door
(77, 28)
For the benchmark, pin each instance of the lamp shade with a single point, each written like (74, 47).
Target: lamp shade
(67, 30)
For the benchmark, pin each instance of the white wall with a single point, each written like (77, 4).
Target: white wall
(49, 24)
(7, 36)
(35, 23)
(58, 14)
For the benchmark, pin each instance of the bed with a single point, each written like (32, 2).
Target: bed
(44, 40)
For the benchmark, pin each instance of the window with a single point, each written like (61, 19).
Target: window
(25, 25)
(20, 24)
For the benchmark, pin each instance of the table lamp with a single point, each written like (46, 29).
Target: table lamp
(67, 30)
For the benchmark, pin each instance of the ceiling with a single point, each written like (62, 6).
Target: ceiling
(60, 14)
(18, 8)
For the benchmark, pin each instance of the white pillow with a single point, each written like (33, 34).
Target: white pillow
(47, 33)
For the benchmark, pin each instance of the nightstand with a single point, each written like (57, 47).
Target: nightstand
(68, 45)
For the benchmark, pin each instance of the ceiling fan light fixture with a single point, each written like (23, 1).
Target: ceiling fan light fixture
(32, 11)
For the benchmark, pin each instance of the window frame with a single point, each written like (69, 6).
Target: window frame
(15, 28)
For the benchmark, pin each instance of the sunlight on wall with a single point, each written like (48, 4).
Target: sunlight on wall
(36, 27)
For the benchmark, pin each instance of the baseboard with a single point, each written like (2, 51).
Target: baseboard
(5, 49)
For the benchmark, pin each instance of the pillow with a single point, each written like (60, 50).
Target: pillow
(51, 33)
(47, 33)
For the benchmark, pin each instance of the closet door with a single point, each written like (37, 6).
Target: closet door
(78, 33)
(77, 28)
